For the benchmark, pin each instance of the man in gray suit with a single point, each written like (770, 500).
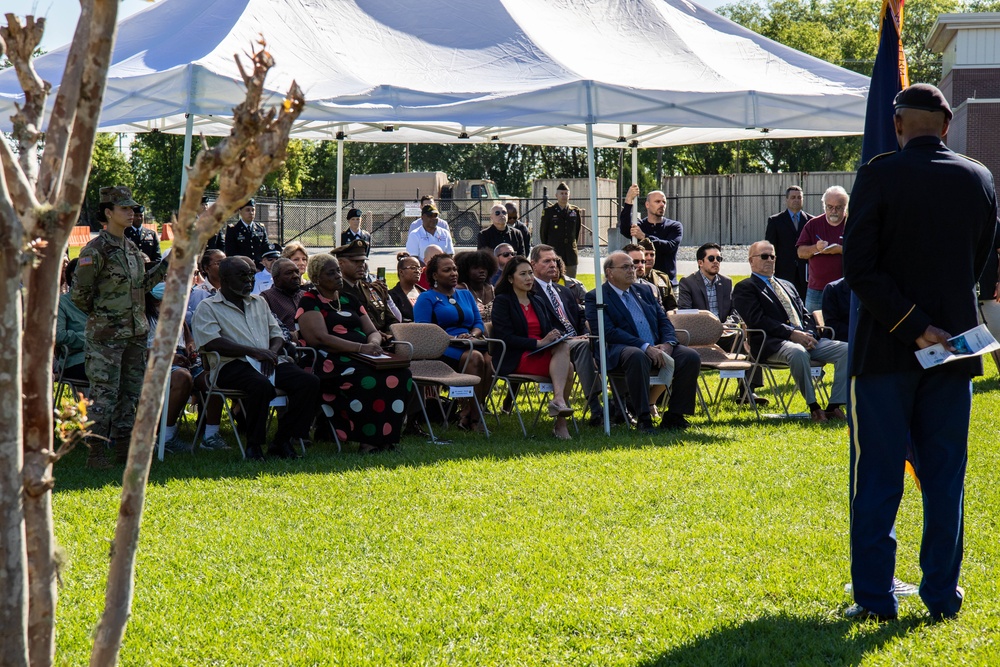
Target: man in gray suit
(707, 289)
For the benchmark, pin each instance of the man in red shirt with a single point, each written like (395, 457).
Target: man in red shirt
(821, 243)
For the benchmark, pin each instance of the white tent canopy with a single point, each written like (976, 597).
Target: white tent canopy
(516, 71)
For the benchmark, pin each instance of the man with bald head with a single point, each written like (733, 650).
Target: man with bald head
(665, 234)
(639, 337)
(921, 208)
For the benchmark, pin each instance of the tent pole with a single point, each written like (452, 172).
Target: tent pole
(186, 163)
(340, 192)
(598, 292)
(635, 179)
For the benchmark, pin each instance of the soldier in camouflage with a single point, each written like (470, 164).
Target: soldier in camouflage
(110, 288)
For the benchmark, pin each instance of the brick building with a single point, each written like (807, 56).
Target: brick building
(970, 48)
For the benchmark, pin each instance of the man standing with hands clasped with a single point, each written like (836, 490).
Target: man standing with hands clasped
(894, 234)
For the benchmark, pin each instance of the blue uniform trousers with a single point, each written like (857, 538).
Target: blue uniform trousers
(930, 407)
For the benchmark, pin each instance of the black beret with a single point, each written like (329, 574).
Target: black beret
(354, 213)
(922, 96)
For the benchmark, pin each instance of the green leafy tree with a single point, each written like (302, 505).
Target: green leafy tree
(108, 167)
(292, 178)
(157, 159)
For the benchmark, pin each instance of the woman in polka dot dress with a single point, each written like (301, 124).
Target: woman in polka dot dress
(369, 405)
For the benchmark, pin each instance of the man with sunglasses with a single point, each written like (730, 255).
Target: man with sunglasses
(772, 305)
(707, 289)
(504, 253)
(500, 232)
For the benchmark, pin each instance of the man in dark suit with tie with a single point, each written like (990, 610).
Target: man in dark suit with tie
(772, 305)
(782, 232)
(639, 337)
(565, 313)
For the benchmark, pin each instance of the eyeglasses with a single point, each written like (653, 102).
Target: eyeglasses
(765, 256)
(499, 213)
(413, 268)
(713, 258)
(829, 207)
(626, 267)
(506, 254)
(638, 262)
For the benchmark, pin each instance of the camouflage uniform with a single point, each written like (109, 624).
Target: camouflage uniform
(661, 281)
(110, 286)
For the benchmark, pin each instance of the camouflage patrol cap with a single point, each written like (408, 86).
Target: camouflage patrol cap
(118, 195)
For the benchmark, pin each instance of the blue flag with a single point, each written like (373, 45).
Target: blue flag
(889, 76)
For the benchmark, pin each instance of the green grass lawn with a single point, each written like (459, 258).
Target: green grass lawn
(724, 545)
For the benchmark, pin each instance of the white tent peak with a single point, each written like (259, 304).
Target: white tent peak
(530, 71)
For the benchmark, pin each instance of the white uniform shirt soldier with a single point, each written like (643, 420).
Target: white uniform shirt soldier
(110, 287)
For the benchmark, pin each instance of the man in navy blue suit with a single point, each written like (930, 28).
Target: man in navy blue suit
(638, 337)
(783, 231)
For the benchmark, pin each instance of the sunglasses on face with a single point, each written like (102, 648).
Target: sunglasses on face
(506, 254)
(713, 258)
(499, 213)
(766, 256)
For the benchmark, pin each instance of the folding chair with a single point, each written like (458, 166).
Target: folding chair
(64, 384)
(212, 362)
(424, 344)
(779, 390)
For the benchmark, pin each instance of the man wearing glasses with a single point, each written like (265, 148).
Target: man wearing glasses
(503, 252)
(772, 305)
(500, 232)
(821, 244)
(639, 337)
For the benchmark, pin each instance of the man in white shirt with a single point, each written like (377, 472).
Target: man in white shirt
(428, 234)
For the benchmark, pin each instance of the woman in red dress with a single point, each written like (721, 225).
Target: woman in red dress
(519, 318)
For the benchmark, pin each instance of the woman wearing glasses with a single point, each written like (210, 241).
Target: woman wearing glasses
(406, 291)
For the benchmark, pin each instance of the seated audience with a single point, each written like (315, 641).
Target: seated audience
(837, 308)
(406, 291)
(208, 267)
(659, 279)
(431, 251)
(374, 296)
(369, 405)
(575, 287)
(474, 269)
(503, 254)
(296, 252)
(263, 280)
(773, 306)
(524, 325)
(71, 322)
(707, 289)
(639, 337)
(283, 297)
(455, 311)
(241, 329)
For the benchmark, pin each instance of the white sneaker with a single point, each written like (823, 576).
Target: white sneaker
(899, 587)
(214, 442)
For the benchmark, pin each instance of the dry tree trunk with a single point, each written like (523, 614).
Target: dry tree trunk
(33, 217)
(255, 147)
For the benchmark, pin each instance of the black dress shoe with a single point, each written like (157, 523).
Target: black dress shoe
(673, 421)
(645, 426)
(759, 400)
(282, 450)
(858, 613)
(254, 453)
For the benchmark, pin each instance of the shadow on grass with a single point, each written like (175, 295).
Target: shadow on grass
(786, 640)
(322, 457)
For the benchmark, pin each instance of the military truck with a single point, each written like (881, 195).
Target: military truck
(464, 203)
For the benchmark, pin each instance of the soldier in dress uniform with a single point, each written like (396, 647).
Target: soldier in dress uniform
(659, 279)
(247, 238)
(110, 287)
(560, 227)
(145, 239)
(374, 296)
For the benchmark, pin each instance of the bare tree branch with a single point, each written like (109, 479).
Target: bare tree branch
(21, 43)
(255, 147)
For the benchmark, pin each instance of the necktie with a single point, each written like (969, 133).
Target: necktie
(567, 327)
(786, 303)
(638, 316)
